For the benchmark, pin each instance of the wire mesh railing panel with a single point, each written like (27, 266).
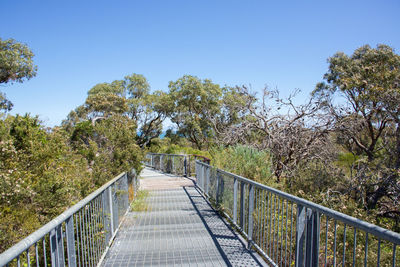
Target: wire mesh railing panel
(212, 185)
(191, 166)
(225, 187)
(80, 235)
(274, 227)
(178, 164)
(168, 163)
(290, 231)
(147, 160)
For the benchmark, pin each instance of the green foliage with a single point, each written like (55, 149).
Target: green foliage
(106, 88)
(194, 101)
(15, 62)
(346, 160)
(314, 179)
(139, 203)
(5, 104)
(44, 171)
(363, 76)
(151, 111)
(15, 65)
(369, 80)
(109, 146)
(130, 98)
(168, 146)
(40, 176)
(105, 104)
(368, 125)
(245, 161)
(136, 85)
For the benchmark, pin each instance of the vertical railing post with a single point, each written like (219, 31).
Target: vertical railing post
(196, 170)
(203, 181)
(60, 246)
(111, 206)
(126, 194)
(116, 204)
(168, 165)
(242, 204)
(135, 183)
(199, 176)
(309, 232)
(188, 171)
(161, 163)
(201, 172)
(107, 214)
(300, 235)
(312, 239)
(173, 164)
(185, 166)
(69, 226)
(217, 195)
(235, 189)
(53, 248)
(207, 180)
(152, 160)
(251, 209)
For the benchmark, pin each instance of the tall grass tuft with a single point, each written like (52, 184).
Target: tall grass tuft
(245, 161)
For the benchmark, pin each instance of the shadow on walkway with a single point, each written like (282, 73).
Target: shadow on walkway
(232, 249)
(178, 228)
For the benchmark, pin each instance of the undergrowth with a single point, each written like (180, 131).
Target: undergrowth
(140, 204)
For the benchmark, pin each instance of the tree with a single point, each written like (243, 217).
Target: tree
(368, 121)
(193, 103)
(15, 65)
(40, 176)
(104, 105)
(236, 104)
(129, 97)
(15, 62)
(149, 110)
(108, 145)
(293, 134)
(5, 104)
(151, 113)
(362, 79)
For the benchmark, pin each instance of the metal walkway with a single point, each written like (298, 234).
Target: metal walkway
(179, 228)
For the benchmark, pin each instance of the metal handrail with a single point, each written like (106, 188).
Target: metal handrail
(168, 163)
(88, 228)
(179, 164)
(363, 225)
(261, 213)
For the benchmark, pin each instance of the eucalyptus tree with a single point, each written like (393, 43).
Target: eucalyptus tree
(368, 122)
(235, 106)
(130, 98)
(192, 103)
(149, 110)
(368, 81)
(16, 62)
(16, 65)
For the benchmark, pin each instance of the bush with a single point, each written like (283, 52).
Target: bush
(40, 177)
(245, 161)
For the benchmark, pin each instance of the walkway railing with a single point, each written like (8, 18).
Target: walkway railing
(81, 235)
(174, 163)
(288, 230)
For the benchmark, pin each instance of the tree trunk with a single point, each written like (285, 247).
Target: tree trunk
(397, 165)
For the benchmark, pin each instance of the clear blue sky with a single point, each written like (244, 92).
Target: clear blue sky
(282, 44)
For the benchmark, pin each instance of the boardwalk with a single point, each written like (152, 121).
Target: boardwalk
(179, 228)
